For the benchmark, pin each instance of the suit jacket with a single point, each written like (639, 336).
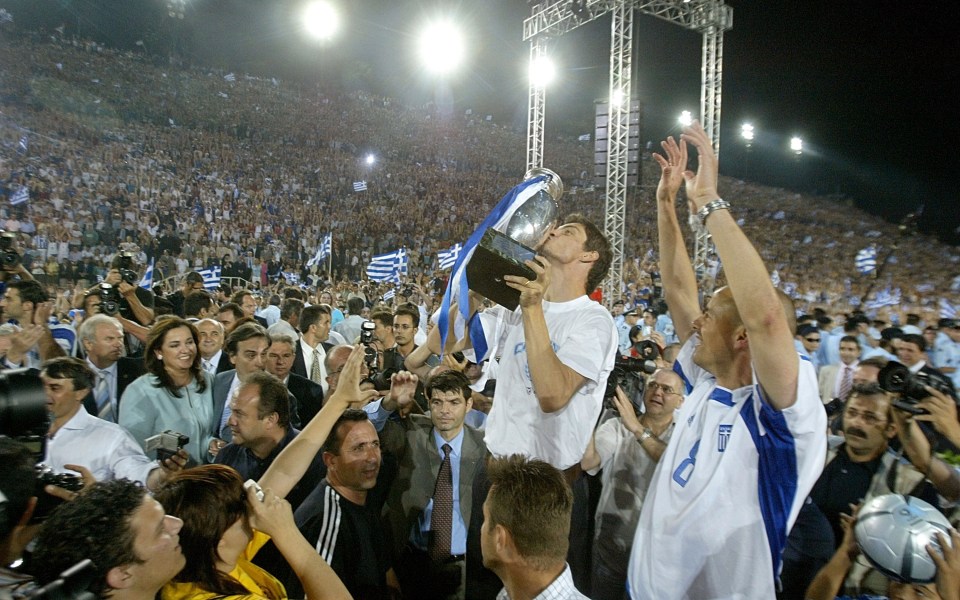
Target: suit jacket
(309, 396)
(260, 320)
(299, 364)
(828, 381)
(128, 369)
(221, 387)
(224, 364)
(418, 464)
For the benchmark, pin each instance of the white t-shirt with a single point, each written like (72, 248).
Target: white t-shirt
(727, 490)
(585, 339)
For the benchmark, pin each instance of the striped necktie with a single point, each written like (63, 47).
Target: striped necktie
(102, 395)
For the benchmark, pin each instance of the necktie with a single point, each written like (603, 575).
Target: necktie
(846, 382)
(441, 519)
(316, 375)
(102, 395)
(207, 366)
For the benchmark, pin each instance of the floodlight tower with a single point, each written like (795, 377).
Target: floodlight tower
(553, 18)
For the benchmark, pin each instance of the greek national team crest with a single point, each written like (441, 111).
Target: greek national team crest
(723, 436)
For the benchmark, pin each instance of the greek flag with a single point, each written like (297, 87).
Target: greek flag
(388, 267)
(20, 196)
(947, 310)
(389, 295)
(866, 260)
(22, 145)
(211, 277)
(458, 287)
(230, 77)
(147, 281)
(290, 277)
(584, 138)
(884, 297)
(359, 186)
(447, 258)
(323, 251)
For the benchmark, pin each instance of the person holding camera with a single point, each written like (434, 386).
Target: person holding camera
(133, 302)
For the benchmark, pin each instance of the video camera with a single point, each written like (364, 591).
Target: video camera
(166, 444)
(626, 370)
(24, 418)
(380, 377)
(124, 263)
(9, 257)
(896, 378)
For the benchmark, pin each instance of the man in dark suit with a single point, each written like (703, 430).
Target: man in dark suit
(430, 503)
(212, 357)
(280, 357)
(248, 304)
(312, 347)
(102, 339)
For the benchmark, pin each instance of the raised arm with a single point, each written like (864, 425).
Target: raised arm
(676, 271)
(768, 333)
(293, 461)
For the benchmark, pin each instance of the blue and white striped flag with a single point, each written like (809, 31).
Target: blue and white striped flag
(359, 186)
(884, 297)
(947, 310)
(290, 277)
(389, 295)
(388, 267)
(211, 277)
(447, 258)
(458, 286)
(866, 261)
(147, 281)
(323, 251)
(230, 77)
(23, 145)
(20, 196)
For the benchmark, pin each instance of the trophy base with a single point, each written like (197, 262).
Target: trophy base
(495, 256)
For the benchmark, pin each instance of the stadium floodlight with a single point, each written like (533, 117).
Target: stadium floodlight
(442, 47)
(616, 99)
(746, 132)
(542, 71)
(370, 159)
(796, 144)
(686, 118)
(321, 19)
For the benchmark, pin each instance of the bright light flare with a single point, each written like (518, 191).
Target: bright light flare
(542, 72)
(442, 47)
(617, 98)
(321, 20)
(746, 132)
(370, 159)
(796, 144)
(686, 118)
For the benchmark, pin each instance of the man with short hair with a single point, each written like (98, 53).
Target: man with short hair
(27, 303)
(629, 321)
(271, 314)
(383, 327)
(198, 305)
(836, 381)
(260, 425)
(948, 350)
(228, 315)
(102, 340)
(349, 328)
(248, 304)
(912, 352)
(279, 361)
(134, 545)
(193, 282)
(809, 339)
(627, 449)
(526, 522)
(247, 348)
(78, 438)
(430, 503)
(212, 357)
(290, 312)
(751, 435)
(313, 347)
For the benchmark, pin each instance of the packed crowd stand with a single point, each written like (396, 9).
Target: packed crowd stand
(189, 168)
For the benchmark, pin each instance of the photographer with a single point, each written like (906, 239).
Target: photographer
(940, 410)
(134, 302)
(11, 262)
(26, 303)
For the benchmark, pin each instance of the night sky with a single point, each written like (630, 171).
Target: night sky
(870, 87)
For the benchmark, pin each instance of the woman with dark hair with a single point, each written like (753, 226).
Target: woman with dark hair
(223, 528)
(176, 393)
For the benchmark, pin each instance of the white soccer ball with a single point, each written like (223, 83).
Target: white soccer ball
(893, 532)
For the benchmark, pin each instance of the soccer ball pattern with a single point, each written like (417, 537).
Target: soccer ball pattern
(893, 532)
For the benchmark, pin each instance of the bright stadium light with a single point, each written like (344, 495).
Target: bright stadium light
(441, 47)
(370, 159)
(796, 144)
(686, 118)
(746, 132)
(542, 71)
(616, 99)
(321, 20)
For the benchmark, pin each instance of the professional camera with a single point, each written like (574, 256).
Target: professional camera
(896, 378)
(109, 299)
(367, 339)
(9, 258)
(124, 264)
(627, 374)
(166, 444)
(45, 502)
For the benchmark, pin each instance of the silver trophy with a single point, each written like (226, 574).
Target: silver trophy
(503, 252)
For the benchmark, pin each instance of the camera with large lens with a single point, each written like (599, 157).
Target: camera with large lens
(125, 267)
(9, 257)
(896, 378)
(45, 502)
(627, 374)
(109, 299)
(369, 352)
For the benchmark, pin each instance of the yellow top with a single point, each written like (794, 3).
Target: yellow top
(258, 582)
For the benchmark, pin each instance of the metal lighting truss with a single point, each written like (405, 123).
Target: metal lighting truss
(551, 19)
